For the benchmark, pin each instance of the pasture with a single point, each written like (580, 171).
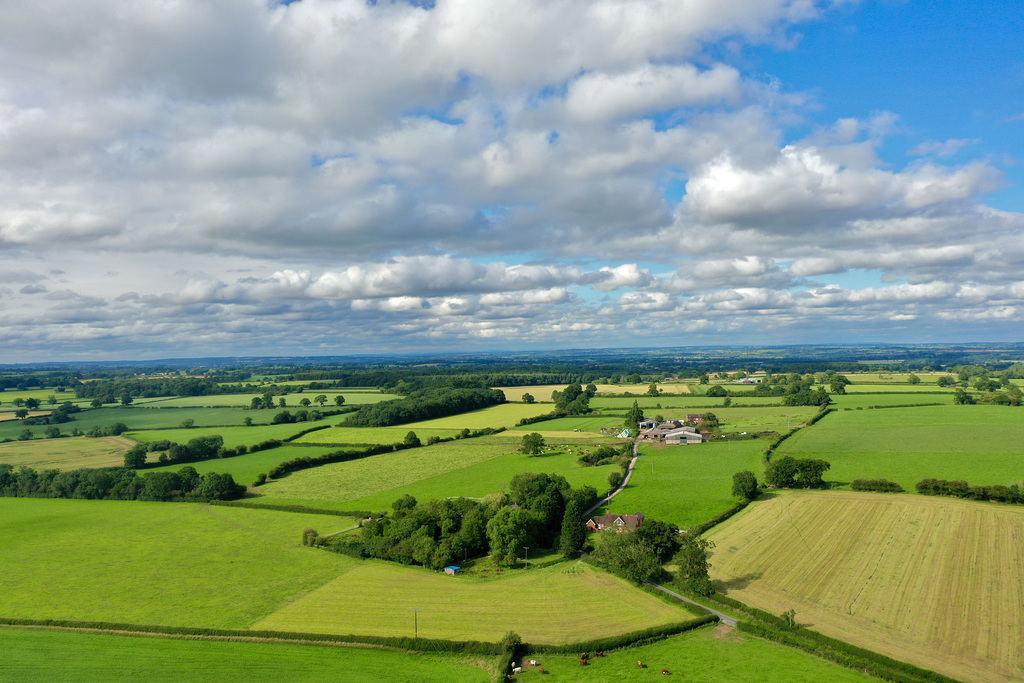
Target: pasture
(652, 405)
(66, 454)
(752, 419)
(558, 604)
(865, 401)
(490, 476)
(687, 485)
(338, 484)
(980, 444)
(931, 581)
(372, 435)
(245, 468)
(173, 564)
(233, 436)
(711, 654)
(42, 655)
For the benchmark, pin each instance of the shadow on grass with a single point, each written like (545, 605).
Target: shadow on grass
(737, 583)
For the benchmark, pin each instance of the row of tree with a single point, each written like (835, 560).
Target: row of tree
(961, 489)
(425, 405)
(118, 483)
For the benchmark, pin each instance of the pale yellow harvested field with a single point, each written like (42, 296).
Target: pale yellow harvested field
(543, 392)
(66, 454)
(936, 582)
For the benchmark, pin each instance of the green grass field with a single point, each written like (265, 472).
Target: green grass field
(978, 443)
(66, 454)
(558, 604)
(932, 581)
(923, 389)
(43, 655)
(233, 436)
(490, 476)
(751, 419)
(650, 404)
(176, 564)
(865, 401)
(713, 654)
(245, 468)
(372, 435)
(337, 485)
(689, 484)
(292, 399)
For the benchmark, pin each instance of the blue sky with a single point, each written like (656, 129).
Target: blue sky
(337, 176)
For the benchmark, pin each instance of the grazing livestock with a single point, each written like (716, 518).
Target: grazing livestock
(517, 670)
(639, 663)
(542, 670)
(599, 654)
(664, 672)
(584, 662)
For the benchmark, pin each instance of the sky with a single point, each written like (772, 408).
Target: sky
(189, 178)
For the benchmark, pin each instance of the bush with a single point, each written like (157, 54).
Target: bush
(877, 485)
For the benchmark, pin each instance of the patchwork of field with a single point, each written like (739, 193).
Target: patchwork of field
(372, 435)
(66, 454)
(336, 485)
(687, 485)
(932, 581)
(233, 436)
(542, 392)
(980, 444)
(754, 419)
(175, 564)
(713, 655)
(562, 603)
(653, 404)
(245, 468)
(42, 655)
(492, 476)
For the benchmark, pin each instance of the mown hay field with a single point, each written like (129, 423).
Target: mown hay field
(980, 444)
(932, 581)
(712, 655)
(923, 389)
(338, 484)
(652, 405)
(566, 602)
(66, 454)
(43, 655)
(372, 435)
(173, 564)
(492, 476)
(687, 485)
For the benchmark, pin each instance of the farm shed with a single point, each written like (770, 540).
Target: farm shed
(452, 570)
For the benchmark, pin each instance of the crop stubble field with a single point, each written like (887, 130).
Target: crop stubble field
(69, 453)
(932, 581)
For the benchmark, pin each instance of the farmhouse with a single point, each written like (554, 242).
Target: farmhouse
(620, 523)
(673, 432)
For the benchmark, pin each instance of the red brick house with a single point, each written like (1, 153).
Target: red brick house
(620, 523)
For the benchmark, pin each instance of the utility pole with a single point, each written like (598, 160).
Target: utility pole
(416, 622)
(527, 549)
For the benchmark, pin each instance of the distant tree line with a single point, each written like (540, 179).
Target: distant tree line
(118, 483)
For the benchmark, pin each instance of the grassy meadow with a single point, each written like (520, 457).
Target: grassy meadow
(174, 564)
(713, 655)
(980, 444)
(339, 484)
(687, 485)
(561, 603)
(932, 581)
(372, 435)
(43, 655)
(503, 415)
(291, 400)
(245, 468)
(66, 454)
(233, 436)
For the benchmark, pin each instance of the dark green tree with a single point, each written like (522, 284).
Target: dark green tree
(411, 440)
(574, 534)
(533, 443)
(528, 398)
(693, 565)
(339, 400)
(744, 485)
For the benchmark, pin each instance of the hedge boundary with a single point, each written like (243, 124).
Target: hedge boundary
(359, 514)
(642, 637)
